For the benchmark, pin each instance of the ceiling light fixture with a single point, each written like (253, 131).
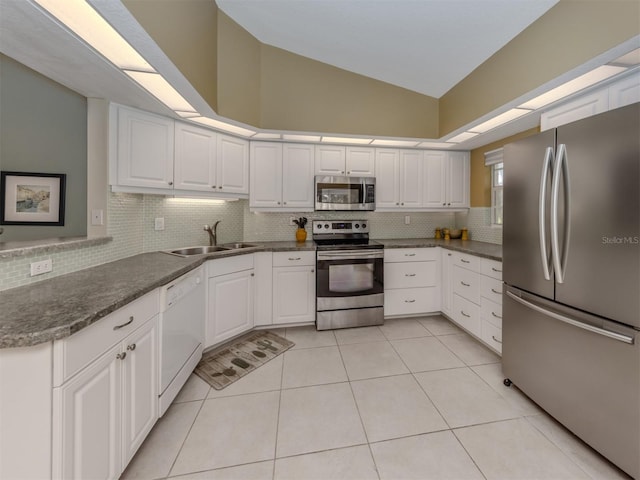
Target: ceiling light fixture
(462, 137)
(209, 201)
(85, 22)
(435, 145)
(267, 136)
(583, 81)
(301, 138)
(227, 127)
(395, 143)
(157, 86)
(356, 141)
(499, 120)
(629, 59)
(187, 114)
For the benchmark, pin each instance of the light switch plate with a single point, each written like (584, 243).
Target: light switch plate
(159, 223)
(407, 220)
(97, 217)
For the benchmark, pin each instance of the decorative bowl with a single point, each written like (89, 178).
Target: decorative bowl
(457, 233)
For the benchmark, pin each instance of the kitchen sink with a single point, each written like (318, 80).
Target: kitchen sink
(234, 246)
(189, 251)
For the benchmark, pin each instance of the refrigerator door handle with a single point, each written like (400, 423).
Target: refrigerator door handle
(585, 326)
(561, 171)
(544, 256)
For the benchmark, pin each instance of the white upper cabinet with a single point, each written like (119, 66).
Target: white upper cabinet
(232, 172)
(144, 149)
(399, 178)
(458, 180)
(349, 161)
(281, 176)
(195, 158)
(435, 179)
(446, 179)
(411, 164)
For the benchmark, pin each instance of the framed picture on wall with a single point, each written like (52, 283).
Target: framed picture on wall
(32, 198)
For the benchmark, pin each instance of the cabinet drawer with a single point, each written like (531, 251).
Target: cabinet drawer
(467, 284)
(469, 262)
(411, 254)
(77, 351)
(492, 268)
(491, 312)
(409, 301)
(491, 289)
(410, 274)
(466, 314)
(224, 266)
(293, 258)
(492, 336)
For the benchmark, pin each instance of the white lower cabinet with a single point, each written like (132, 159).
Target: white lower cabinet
(294, 287)
(447, 290)
(230, 298)
(103, 414)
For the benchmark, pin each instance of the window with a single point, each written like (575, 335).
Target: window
(493, 159)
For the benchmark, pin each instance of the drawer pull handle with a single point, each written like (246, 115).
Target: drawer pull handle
(294, 259)
(409, 254)
(465, 284)
(118, 327)
(131, 347)
(121, 356)
(496, 269)
(495, 315)
(409, 274)
(464, 261)
(409, 301)
(468, 316)
(495, 339)
(496, 291)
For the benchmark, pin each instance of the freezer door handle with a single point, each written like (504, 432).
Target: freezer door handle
(600, 331)
(561, 171)
(544, 255)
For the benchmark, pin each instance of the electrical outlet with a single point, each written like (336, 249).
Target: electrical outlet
(97, 217)
(38, 268)
(291, 221)
(159, 223)
(407, 219)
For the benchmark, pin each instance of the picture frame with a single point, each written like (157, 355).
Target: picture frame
(28, 198)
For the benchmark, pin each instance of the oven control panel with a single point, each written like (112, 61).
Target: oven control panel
(340, 226)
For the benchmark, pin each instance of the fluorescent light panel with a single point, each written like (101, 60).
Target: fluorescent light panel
(157, 86)
(301, 138)
(210, 201)
(85, 22)
(435, 145)
(462, 137)
(188, 114)
(358, 141)
(630, 59)
(267, 136)
(227, 127)
(590, 78)
(394, 143)
(499, 120)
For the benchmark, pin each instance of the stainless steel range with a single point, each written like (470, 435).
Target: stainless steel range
(349, 275)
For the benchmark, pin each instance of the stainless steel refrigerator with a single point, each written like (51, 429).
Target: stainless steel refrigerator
(571, 269)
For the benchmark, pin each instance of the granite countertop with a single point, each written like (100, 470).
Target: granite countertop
(61, 306)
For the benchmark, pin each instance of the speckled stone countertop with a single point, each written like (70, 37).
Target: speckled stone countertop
(480, 249)
(49, 245)
(61, 306)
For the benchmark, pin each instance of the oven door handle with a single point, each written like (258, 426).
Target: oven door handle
(348, 255)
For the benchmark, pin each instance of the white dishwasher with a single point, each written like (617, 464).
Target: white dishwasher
(182, 318)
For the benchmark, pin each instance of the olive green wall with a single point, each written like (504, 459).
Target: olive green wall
(568, 35)
(43, 129)
(186, 31)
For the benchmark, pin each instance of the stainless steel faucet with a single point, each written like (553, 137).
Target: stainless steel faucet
(211, 230)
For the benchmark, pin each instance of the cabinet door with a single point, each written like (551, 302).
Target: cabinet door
(387, 178)
(411, 163)
(88, 441)
(360, 161)
(447, 282)
(434, 179)
(297, 176)
(195, 158)
(232, 165)
(266, 175)
(458, 181)
(230, 306)
(139, 387)
(294, 294)
(145, 149)
(330, 160)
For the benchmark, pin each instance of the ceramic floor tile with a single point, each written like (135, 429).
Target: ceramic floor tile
(439, 325)
(159, 450)
(251, 471)
(313, 366)
(352, 463)
(424, 354)
(230, 431)
(514, 449)
(584, 456)
(318, 418)
(308, 337)
(194, 389)
(398, 328)
(492, 374)
(393, 407)
(369, 360)
(347, 336)
(434, 456)
(463, 398)
(469, 349)
(266, 378)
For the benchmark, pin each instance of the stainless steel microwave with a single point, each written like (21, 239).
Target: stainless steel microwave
(345, 193)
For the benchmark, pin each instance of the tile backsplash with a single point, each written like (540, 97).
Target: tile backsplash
(131, 219)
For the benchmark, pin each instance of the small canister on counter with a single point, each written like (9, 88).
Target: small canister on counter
(446, 234)
(465, 234)
(438, 233)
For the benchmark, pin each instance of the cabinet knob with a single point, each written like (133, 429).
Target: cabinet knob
(342, 173)
(213, 186)
(131, 347)
(312, 270)
(284, 203)
(449, 203)
(253, 274)
(121, 356)
(220, 186)
(444, 204)
(170, 183)
(278, 203)
(397, 203)
(402, 203)
(348, 173)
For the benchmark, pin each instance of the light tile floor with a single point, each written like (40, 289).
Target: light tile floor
(413, 399)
